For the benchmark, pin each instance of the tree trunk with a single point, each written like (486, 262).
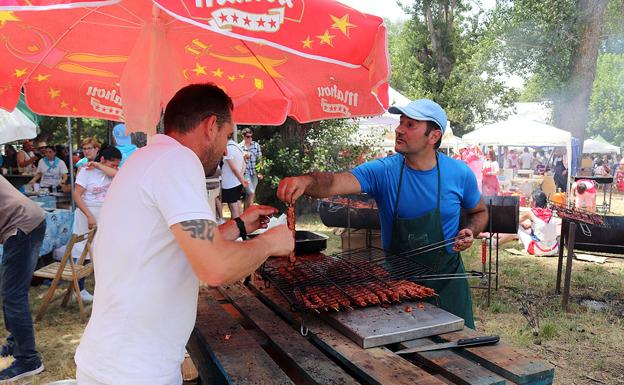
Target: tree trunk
(571, 108)
(444, 20)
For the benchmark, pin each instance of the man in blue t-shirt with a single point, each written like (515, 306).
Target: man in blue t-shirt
(419, 193)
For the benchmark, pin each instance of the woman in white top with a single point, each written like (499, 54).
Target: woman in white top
(92, 183)
(51, 170)
(490, 172)
(232, 177)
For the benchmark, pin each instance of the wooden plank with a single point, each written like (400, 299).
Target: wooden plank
(456, 368)
(208, 370)
(238, 357)
(505, 360)
(311, 362)
(373, 366)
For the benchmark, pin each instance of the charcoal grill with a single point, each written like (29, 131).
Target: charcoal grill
(352, 279)
(357, 211)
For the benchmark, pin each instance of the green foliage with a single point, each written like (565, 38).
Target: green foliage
(54, 130)
(456, 70)
(538, 39)
(606, 109)
(326, 146)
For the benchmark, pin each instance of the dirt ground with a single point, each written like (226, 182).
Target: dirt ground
(584, 345)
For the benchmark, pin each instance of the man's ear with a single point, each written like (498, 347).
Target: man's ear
(434, 136)
(210, 127)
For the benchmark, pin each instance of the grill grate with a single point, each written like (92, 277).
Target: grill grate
(357, 278)
(577, 215)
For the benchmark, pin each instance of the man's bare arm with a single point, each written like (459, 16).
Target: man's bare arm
(318, 185)
(477, 218)
(217, 261)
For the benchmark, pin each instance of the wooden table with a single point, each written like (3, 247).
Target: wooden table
(249, 336)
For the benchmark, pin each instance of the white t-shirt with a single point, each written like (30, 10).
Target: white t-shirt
(492, 165)
(96, 183)
(235, 153)
(145, 299)
(525, 160)
(51, 175)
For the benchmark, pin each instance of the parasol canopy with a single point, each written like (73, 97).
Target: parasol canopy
(124, 59)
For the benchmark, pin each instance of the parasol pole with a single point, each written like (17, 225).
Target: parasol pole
(71, 162)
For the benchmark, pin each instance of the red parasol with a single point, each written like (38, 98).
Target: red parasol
(124, 59)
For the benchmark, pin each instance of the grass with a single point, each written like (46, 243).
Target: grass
(584, 345)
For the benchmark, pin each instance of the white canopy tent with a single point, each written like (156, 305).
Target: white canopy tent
(15, 126)
(449, 140)
(519, 131)
(593, 146)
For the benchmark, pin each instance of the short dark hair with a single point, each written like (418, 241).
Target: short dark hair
(540, 199)
(581, 188)
(109, 153)
(50, 148)
(431, 126)
(194, 103)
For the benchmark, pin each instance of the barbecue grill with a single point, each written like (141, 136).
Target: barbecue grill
(357, 211)
(357, 278)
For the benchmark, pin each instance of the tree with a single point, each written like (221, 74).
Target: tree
(295, 149)
(606, 109)
(53, 130)
(556, 44)
(442, 53)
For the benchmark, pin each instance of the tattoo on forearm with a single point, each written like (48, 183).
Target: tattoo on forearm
(200, 228)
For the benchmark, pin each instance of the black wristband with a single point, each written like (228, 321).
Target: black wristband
(241, 227)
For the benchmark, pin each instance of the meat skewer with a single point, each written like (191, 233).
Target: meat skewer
(290, 220)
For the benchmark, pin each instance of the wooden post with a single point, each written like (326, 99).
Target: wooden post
(568, 273)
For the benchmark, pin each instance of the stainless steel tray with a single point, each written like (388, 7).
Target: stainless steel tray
(375, 326)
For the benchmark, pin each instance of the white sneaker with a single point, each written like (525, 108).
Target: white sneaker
(86, 296)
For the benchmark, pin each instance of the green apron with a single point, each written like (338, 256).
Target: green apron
(409, 234)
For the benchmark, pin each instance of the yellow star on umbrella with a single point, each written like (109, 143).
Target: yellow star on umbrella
(199, 69)
(217, 73)
(342, 24)
(326, 38)
(20, 72)
(232, 78)
(307, 43)
(54, 93)
(7, 16)
(41, 77)
(63, 104)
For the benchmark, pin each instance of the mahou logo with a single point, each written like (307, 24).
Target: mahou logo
(250, 15)
(103, 99)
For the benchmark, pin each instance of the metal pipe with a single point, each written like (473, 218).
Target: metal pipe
(568, 274)
(71, 163)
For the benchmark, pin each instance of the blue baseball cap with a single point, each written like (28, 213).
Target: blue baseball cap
(423, 109)
(119, 132)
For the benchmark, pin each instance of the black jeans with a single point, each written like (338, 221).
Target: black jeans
(21, 252)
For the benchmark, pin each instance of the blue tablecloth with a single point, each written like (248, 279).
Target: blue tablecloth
(58, 231)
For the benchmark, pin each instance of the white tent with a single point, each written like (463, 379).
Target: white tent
(381, 128)
(15, 126)
(449, 140)
(519, 131)
(592, 146)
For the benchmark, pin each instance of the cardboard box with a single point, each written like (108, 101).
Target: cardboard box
(357, 239)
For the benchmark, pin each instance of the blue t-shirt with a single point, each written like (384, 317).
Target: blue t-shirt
(380, 179)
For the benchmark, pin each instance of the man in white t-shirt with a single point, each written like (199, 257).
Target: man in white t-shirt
(232, 177)
(51, 170)
(26, 159)
(526, 160)
(157, 238)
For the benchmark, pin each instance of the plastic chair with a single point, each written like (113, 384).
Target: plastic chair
(67, 270)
